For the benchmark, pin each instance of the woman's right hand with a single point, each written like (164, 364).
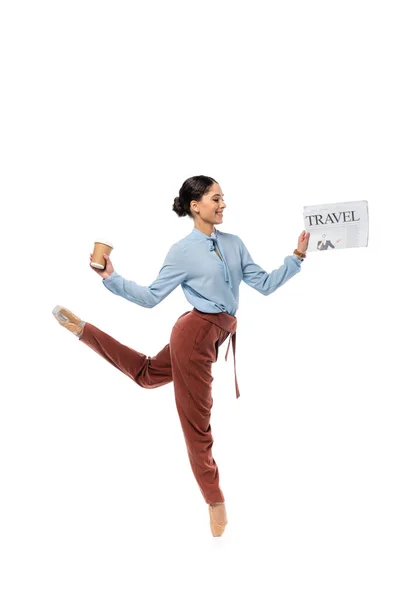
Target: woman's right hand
(103, 272)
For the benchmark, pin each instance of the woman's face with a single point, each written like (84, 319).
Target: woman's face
(211, 207)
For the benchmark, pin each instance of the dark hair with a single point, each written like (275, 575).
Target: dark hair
(192, 189)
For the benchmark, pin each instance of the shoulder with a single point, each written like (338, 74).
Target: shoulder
(185, 244)
(231, 238)
(179, 248)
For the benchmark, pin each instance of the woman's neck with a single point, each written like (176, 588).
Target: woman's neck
(206, 228)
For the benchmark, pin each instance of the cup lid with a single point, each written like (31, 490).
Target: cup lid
(103, 241)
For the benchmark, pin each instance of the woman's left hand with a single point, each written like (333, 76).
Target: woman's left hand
(302, 244)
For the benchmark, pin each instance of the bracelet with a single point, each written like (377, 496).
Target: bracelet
(300, 255)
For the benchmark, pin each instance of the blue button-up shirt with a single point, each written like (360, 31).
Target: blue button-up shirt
(210, 283)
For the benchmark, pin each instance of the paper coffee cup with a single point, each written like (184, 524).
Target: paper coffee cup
(100, 246)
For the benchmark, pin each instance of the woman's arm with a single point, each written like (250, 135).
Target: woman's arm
(266, 283)
(171, 274)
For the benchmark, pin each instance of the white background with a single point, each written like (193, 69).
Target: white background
(106, 108)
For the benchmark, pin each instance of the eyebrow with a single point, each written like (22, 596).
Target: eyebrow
(217, 195)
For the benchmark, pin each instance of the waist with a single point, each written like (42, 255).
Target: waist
(222, 319)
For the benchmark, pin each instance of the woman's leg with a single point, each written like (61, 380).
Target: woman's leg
(193, 349)
(148, 372)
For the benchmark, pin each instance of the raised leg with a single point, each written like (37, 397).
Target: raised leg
(148, 372)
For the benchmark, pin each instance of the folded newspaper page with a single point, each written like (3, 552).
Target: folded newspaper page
(336, 226)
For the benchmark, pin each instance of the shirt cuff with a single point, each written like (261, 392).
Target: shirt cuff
(297, 259)
(113, 275)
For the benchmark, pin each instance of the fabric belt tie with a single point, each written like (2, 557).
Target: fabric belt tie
(232, 337)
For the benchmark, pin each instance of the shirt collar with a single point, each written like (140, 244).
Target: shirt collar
(197, 233)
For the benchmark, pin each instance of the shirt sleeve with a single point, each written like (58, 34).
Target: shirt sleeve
(171, 274)
(264, 282)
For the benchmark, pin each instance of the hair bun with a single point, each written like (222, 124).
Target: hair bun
(178, 207)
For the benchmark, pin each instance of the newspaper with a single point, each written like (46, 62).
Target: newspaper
(336, 226)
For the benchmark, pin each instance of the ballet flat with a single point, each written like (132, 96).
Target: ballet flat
(217, 526)
(67, 319)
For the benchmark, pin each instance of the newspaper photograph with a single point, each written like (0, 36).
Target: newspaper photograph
(336, 226)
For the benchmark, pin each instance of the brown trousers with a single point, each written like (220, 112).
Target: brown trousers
(186, 361)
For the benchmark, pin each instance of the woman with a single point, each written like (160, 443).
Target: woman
(209, 265)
